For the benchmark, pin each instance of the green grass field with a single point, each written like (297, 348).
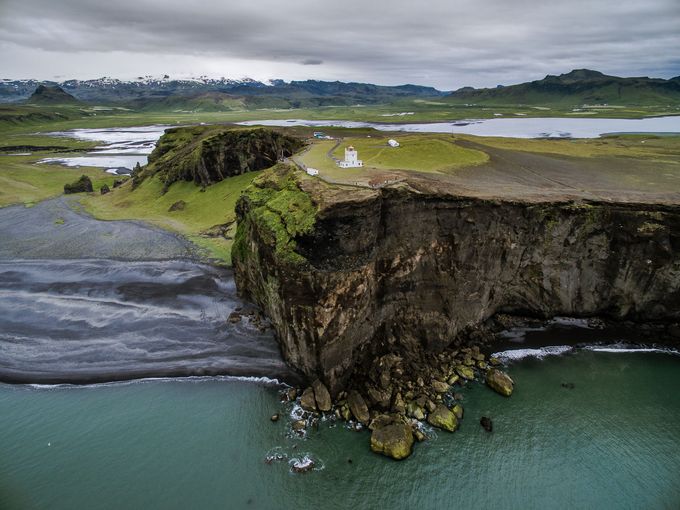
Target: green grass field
(202, 209)
(24, 182)
(25, 118)
(648, 147)
(417, 152)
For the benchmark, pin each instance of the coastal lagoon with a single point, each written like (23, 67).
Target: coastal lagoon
(530, 127)
(121, 149)
(611, 441)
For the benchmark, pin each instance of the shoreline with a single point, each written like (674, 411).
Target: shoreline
(283, 381)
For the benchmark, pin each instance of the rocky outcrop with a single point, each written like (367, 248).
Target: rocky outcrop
(347, 274)
(393, 438)
(82, 185)
(500, 382)
(208, 154)
(443, 418)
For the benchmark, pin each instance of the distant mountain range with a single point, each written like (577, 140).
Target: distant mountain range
(215, 93)
(577, 87)
(580, 86)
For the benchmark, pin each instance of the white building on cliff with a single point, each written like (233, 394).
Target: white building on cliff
(351, 159)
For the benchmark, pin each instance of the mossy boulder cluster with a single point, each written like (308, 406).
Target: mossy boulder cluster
(208, 154)
(398, 394)
(82, 185)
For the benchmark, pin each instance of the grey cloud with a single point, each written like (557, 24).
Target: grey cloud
(446, 43)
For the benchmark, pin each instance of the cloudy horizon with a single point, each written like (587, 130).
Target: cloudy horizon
(445, 44)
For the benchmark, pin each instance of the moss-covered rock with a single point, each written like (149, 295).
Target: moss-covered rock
(278, 210)
(82, 185)
(465, 372)
(443, 418)
(500, 382)
(394, 440)
(439, 386)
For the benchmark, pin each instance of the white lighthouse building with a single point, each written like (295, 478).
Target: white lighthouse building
(351, 159)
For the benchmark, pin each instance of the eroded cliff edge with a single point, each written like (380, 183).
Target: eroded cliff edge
(346, 274)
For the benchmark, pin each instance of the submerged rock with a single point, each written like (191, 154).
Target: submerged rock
(291, 394)
(500, 382)
(323, 398)
(486, 423)
(303, 465)
(299, 425)
(458, 411)
(394, 440)
(443, 418)
(419, 435)
(358, 406)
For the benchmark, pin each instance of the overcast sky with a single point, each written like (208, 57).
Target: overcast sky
(444, 43)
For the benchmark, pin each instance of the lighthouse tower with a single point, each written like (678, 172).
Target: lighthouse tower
(351, 159)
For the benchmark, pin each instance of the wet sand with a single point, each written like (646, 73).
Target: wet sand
(84, 301)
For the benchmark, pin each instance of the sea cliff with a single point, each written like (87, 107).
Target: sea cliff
(349, 274)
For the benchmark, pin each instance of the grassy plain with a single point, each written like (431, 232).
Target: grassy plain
(648, 147)
(201, 210)
(417, 152)
(24, 182)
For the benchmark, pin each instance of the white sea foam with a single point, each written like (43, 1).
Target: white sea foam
(517, 354)
(618, 349)
(263, 381)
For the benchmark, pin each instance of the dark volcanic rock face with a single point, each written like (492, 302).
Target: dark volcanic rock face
(395, 269)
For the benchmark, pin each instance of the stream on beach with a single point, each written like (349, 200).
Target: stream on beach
(90, 302)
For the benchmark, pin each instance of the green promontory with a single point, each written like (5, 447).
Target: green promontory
(279, 210)
(208, 154)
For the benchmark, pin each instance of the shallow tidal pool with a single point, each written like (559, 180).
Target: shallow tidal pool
(611, 441)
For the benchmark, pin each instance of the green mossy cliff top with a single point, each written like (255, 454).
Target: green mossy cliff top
(209, 154)
(279, 212)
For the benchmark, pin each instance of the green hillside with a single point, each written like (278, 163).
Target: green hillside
(578, 87)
